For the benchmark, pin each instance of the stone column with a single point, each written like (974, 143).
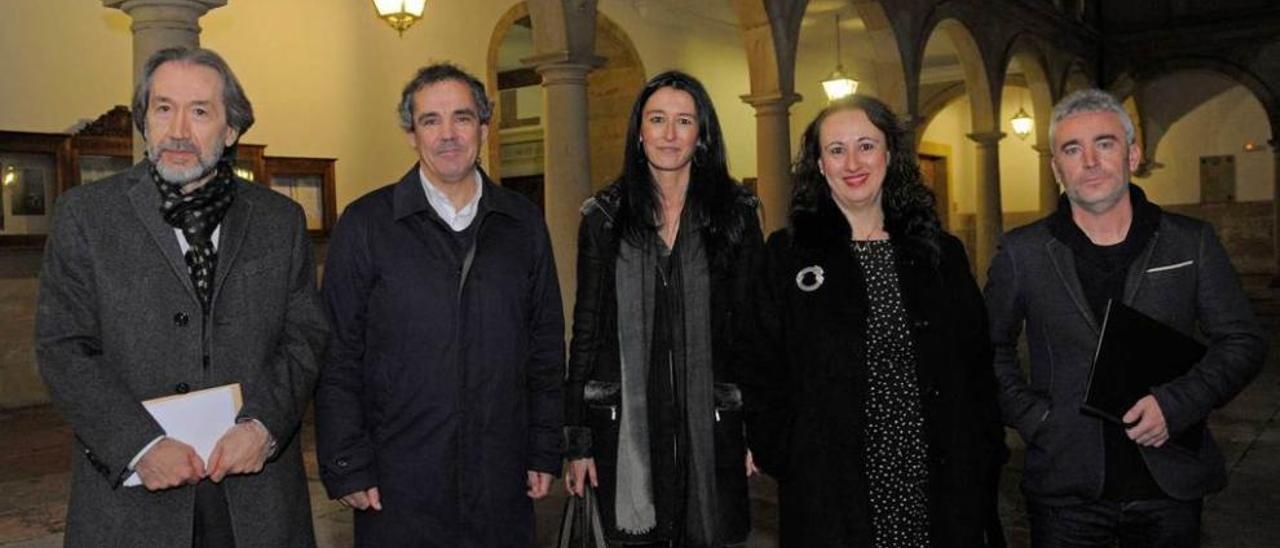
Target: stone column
(773, 156)
(160, 24)
(989, 221)
(567, 171)
(1275, 211)
(1048, 183)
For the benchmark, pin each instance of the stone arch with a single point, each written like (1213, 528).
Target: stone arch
(518, 11)
(611, 87)
(1033, 63)
(1031, 60)
(976, 80)
(984, 128)
(1269, 98)
(770, 33)
(893, 87)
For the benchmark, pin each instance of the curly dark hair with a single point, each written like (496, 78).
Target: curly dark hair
(908, 205)
(713, 194)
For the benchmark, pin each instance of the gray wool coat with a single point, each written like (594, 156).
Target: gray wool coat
(1184, 279)
(118, 322)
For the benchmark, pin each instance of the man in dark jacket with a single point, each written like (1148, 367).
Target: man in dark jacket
(1089, 482)
(439, 410)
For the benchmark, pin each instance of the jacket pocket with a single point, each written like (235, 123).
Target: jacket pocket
(604, 408)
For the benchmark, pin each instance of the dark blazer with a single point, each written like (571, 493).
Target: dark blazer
(118, 322)
(591, 412)
(805, 382)
(1182, 278)
(442, 383)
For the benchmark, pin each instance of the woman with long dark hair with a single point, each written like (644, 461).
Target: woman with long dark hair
(654, 423)
(867, 373)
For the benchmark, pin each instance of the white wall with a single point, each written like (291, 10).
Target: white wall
(1217, 127)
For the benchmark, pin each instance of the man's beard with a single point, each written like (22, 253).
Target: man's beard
(181, 176)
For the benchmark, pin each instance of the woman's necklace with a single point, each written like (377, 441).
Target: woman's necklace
(864, 243)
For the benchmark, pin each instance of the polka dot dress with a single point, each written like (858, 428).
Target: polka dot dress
(895, 460)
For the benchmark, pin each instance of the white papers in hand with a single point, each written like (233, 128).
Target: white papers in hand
(197, 419)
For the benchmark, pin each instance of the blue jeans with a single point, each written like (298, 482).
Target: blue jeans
(1156, 523)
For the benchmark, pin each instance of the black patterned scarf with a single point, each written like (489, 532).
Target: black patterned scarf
(197, 215)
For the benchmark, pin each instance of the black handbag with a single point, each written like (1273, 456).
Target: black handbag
(580, 527)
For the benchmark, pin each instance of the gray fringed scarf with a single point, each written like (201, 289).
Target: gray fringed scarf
(636, 298)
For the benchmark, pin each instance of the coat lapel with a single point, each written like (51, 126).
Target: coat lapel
(1065, 265)
(1133, 280)
(146, 205)
(231, 236)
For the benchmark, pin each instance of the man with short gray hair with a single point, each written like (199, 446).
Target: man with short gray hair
(439, 410)
(173, 277)
(1089, 481)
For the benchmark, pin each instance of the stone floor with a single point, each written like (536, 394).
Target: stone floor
(34, 464)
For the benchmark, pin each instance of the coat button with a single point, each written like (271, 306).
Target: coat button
(182, 388)
(921, 324)
(342, 463)
(180, 319)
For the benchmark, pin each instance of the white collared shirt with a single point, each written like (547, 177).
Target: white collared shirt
(457, 219)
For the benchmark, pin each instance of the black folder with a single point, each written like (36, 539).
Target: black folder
(1135, 353)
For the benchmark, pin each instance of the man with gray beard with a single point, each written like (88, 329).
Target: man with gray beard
(172, 277)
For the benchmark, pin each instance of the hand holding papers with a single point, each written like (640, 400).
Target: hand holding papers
(197, 419)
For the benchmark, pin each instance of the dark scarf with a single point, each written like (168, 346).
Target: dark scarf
(197, 215)
(636, 299)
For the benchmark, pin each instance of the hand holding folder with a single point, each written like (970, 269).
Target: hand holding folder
(1135, 354)
(198, 419)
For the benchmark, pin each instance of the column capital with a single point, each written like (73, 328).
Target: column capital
(559, 68)
(128, 6)
(1044, 150)
(987, 138)
(773, 102)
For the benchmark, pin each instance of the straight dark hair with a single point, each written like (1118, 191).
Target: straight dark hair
(712, 193)
(908, 205)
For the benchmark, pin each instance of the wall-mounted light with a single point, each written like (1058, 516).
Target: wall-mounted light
(1253, 146)
(839, 85)
(9, 176)
(400, 14)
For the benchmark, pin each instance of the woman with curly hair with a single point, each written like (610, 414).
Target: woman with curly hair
(866, 368)
(653, 420)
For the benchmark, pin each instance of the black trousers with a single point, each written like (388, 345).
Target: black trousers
(212, 518)
(1156, 523)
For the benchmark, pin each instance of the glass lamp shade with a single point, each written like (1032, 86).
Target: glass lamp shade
(400, 14)
(1022, 124)
(838, 85)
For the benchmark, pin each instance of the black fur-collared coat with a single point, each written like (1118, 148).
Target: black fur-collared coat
(804, 383)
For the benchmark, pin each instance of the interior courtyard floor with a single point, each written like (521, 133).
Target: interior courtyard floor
(35, 462)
